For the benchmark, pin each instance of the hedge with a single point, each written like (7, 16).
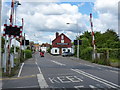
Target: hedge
(28, 54)
(86, 53)
(113, 53)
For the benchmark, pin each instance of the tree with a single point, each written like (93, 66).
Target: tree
(107, 39)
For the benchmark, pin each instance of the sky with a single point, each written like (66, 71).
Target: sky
(43, 19)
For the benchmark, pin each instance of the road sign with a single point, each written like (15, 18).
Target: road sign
(12, 31)
(26, 42)
(76, 42)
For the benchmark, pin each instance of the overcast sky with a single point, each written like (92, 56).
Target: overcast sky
(42, 20)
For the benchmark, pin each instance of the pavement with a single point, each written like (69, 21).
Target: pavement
(62, 73)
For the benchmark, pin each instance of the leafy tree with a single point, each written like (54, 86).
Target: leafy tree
(106, 39)
(3, 42)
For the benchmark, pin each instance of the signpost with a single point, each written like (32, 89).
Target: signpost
(77, 43)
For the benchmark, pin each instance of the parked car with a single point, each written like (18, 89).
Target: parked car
(67, 54)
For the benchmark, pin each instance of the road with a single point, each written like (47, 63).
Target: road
(61, 73)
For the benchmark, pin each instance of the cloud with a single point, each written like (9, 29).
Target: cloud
(42, 20)
(107, 15)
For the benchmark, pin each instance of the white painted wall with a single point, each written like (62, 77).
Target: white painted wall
(53, 51)
(43, 49)
(71, 50)
(66, 50)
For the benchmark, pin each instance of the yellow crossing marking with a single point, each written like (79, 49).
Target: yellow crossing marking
(18, 77)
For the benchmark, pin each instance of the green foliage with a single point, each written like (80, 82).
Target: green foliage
(85, 49)
(107, 42)
(114, 53)
(28, 54)
(109, 39)
(3, 42)
(48, 50)
(86, 53)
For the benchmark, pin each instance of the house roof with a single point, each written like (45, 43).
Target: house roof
(59, 36)
(45, 45)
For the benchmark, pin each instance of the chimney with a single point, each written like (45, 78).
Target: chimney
(57, 34)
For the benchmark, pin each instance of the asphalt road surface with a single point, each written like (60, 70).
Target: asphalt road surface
(61, 73)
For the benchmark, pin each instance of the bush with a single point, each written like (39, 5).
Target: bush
(113, 53)
(86, 53)
(28, 54)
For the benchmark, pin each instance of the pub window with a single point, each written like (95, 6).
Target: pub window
(62, 37)
(64, 50)
(55, 50)
(68, 50)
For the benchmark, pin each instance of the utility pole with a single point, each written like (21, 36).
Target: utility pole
(0, 32)
(21, 38)
(93, 38)
(77, 36)
(9, 39)
(16, 3)
(24, 45)
(78, 49)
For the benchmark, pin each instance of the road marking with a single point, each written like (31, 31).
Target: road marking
(89, 65)
(62, 79)
(106, 66)
(18, 77)
(74, 78)
(96, 78)
(65, 79)
(77, 87)
(91, 86)
(26, 87)
(114, 71)
(38, 67)
(53, 80)
(41, 81)
(58, 63)
(20, 70)
(99, 68)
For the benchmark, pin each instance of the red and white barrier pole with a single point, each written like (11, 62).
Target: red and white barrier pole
(9, 40)
(93, 37)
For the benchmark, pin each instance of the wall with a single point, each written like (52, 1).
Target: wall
(53, 51)
(43, 49)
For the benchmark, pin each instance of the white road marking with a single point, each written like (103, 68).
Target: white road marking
(53, 80)
(27, 87)
(65, 79)
(114, 71)
(99, 68)
(62, 79)
(74, 78)
(96, 78)
(91, 86)
(20, 70)
(58, 63)
(89, 65)
(41, 81)
(38, 68)
(78, 86)
(106, 66)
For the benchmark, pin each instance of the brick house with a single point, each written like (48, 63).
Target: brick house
(61, 44)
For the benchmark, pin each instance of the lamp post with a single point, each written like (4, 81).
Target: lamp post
(16, 4)
(0, 32)
(77, 37)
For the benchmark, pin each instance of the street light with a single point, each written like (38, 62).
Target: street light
(16, 3)
(77, 37)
